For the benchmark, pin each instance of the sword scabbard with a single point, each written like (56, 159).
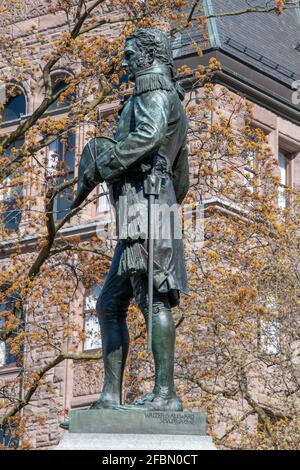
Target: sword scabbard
(152, 189)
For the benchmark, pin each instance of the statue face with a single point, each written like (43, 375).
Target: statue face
(134, 59)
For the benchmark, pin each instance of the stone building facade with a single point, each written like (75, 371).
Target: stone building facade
(263, 66)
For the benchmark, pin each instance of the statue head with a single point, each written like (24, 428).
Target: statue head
(146, 47)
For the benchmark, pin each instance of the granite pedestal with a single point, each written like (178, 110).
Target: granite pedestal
(136, 430)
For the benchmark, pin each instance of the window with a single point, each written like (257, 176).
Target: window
(269, 333)
(61, 153)
(269, 336)
(61, 162)
(91, 322)
(6, 358)
(10, 191)
(249, 172)
(10, 198)
(2, 353)
(7, 439)
(283, 179)
(15, 107)
(61, 103)
(103, 201)
(11, 213)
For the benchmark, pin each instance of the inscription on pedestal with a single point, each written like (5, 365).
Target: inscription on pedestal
(137, 422)
(171, 418)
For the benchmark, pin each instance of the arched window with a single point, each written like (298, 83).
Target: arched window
(15, 106)
(60, 84)
(91, 322)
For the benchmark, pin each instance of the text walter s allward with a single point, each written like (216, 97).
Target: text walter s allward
(151, 459)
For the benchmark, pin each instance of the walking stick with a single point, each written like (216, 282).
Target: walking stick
(152, 189)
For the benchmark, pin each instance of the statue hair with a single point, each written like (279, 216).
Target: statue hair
(156, 45)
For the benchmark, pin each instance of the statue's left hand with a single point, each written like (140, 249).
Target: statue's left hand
(91, 177)
(109, 166)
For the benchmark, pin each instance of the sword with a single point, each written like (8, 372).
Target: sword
(152, 189)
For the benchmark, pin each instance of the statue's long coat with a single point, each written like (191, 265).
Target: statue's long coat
(152, 130)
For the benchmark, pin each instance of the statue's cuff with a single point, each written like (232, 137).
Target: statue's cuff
(112, 168)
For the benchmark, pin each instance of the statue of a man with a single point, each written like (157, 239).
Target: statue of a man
(150, 140)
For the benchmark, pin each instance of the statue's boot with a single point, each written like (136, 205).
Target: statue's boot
(115, 344)
(162, 401)
(147, 397)
(163, 397)
(113, 374)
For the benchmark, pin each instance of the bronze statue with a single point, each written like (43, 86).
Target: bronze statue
(146, 165)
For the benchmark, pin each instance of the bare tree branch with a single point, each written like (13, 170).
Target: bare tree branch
(39, 376)
(235, 426)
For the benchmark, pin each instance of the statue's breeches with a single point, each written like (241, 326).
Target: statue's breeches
(118, 291)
